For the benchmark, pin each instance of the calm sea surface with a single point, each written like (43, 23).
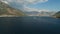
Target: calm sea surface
(29, 25)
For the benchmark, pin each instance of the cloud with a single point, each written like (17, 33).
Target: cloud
(6, 0)
(34, 9)
(27, 1)
(24, 3)
(26, 8)
(36, 1)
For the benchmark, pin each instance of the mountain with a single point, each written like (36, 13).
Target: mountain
(32, 13)
(57, 15)
(41, 13)
(46, 13)
(6, 10)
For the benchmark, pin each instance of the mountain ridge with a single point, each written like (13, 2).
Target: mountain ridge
(5, 9)
(57, 14)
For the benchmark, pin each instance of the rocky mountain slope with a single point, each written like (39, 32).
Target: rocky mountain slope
(57, 15)
(6, 10)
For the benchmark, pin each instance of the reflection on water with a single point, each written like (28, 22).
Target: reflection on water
(27, 25)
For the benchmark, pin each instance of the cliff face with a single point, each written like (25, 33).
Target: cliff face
(7, 10)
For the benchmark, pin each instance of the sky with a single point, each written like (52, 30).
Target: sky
(35, 5)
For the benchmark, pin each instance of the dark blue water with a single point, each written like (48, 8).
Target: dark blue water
(29, 25)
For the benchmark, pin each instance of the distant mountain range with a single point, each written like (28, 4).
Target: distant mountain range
(32, 13)
(6, 10)
(41, 13)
